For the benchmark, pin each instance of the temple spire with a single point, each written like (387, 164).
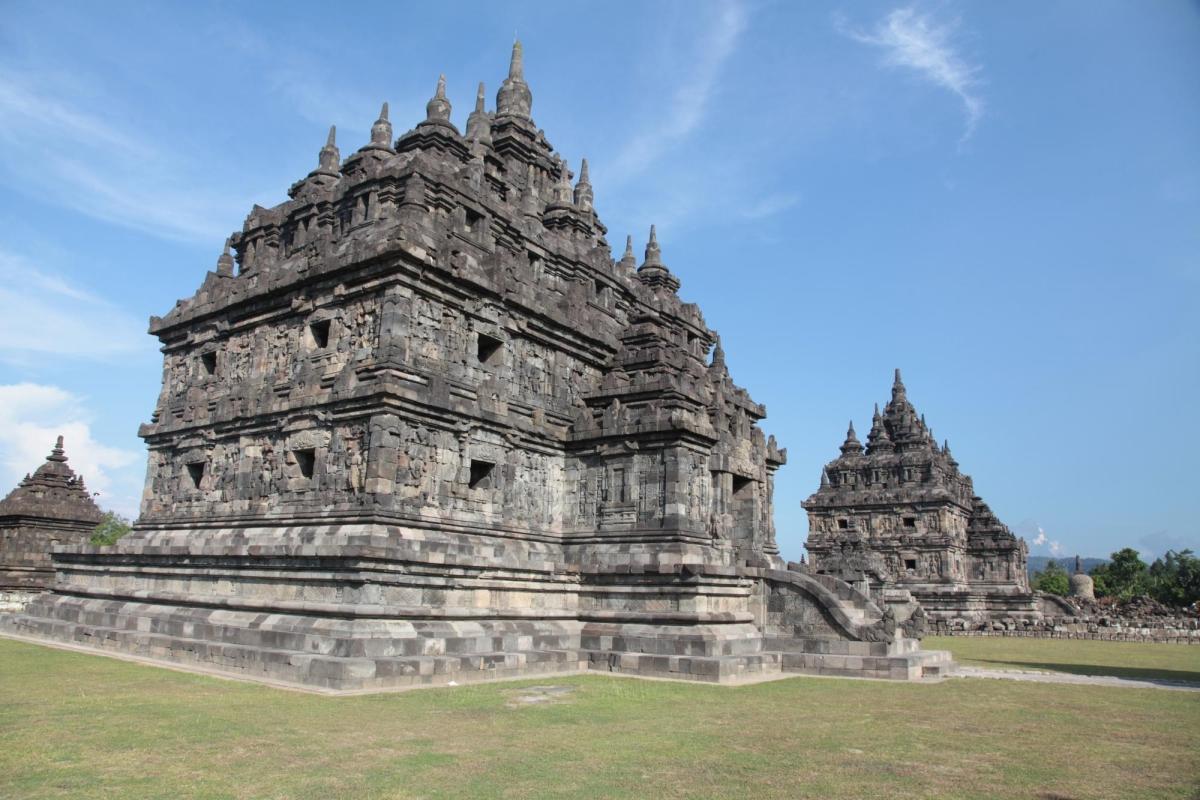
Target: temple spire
(479, 124)
(583, 189)
(437, 110)
(851, 447)
(329, 160)
(653, 272)
(628, 261)
(225, 262)
(516, 65)
(898, 391)
(514, 98)
(653, 252)
(381, 131)
(57, 453)
(718, 359)
(878, 439)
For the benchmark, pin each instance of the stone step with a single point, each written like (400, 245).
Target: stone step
(698, 668)
(331, 672)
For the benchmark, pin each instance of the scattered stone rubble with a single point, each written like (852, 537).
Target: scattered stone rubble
(1141, 619)
(419, 426)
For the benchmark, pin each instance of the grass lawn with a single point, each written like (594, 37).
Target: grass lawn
(1179, 662)
(73, 725)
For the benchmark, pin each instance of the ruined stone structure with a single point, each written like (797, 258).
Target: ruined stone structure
(50, 507)
(901, 517)
(419, 425)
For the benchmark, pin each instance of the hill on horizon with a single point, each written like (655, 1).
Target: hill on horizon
(1038, 563)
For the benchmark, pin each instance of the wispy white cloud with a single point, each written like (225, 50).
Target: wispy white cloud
(33, 415)
(1042, 540)
(42, 314)
(917, 42)
(92, 164)
(770, 205)
(689, 100)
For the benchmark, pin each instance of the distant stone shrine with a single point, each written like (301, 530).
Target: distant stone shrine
(429, 429)
(50, 507)
(901, 516)
(1083, 587)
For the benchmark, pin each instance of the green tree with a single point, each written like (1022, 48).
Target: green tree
(1124, 576)
(1052, 580)
(1175, 578)
(111, 528)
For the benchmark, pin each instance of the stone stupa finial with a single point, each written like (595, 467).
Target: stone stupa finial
(718, 358)
(437, 110)
(381, 131)
(628, 260)
(851, 447)
(898, 391)
(514, 98)
(653, 251)
(329, 160)
(479, 123)
(653, 272)
(225, 262)
(583, 189)
(57, 453)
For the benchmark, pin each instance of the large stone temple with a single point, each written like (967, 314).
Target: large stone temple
(420, 425)
(50, 507)
(900, 517)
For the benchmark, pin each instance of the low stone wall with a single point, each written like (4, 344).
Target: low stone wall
(1174, 630)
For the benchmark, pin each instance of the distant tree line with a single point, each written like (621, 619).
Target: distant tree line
(1173, 579)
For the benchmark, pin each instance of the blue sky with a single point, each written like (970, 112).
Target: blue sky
(1003, 200)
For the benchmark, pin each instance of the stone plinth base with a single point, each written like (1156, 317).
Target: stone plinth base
(366, 609)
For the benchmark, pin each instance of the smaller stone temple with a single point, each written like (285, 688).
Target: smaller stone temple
(899, 516)
(51, 506)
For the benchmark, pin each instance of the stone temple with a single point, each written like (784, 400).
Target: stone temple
(901, 520)
(50, 507)
(419, 425)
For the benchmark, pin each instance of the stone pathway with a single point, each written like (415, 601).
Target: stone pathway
(1080, 680)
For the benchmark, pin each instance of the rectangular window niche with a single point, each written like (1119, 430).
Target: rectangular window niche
(320, 333)
(306, 460)
(487, 348)
(481, 474)
(196, 473)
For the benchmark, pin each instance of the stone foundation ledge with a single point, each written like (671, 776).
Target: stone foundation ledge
(12, 600)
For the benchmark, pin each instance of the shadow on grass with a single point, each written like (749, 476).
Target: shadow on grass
(1136, 673)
